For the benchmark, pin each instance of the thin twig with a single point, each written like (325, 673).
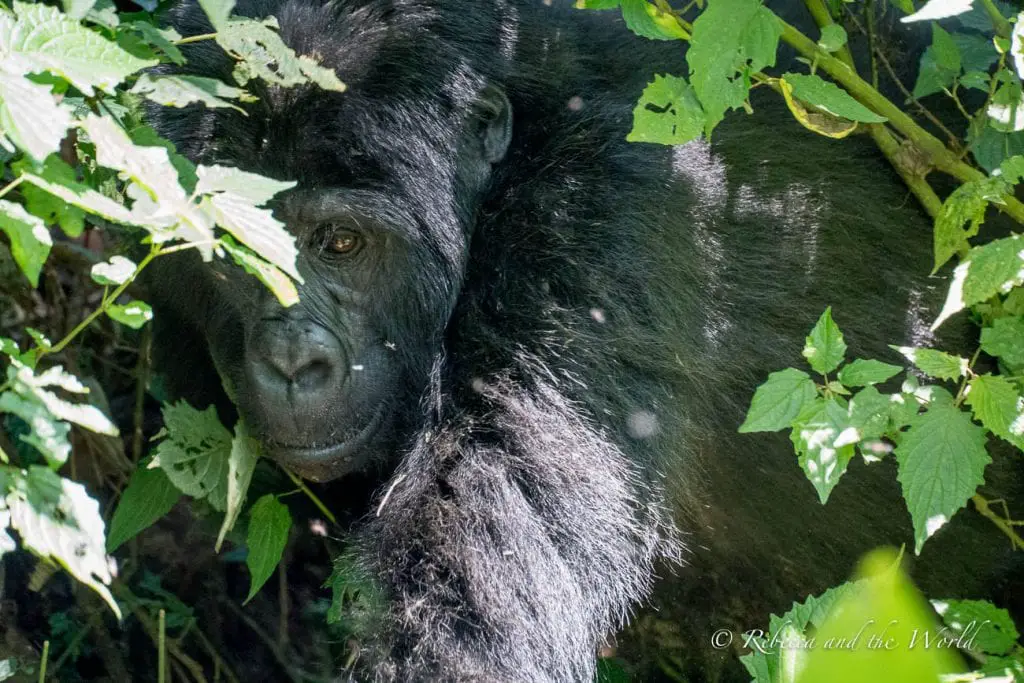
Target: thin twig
(1004, 525)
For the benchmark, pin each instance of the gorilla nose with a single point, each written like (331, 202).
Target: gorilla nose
(304, 358)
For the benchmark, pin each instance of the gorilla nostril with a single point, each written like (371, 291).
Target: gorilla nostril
(313, 375)
(306, 369)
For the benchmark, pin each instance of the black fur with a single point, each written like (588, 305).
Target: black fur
(578, 334)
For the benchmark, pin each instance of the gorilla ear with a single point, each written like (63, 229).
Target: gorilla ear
(494, 113)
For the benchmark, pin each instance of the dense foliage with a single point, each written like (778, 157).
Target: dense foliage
(79, 162)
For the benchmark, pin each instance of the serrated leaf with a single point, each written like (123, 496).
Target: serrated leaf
(668, 113)
(194, 453)
(160, 38)
(869, 413)
(30, 116)
(860, 372)
(1005, 340)
(41, 203)
(939, 9)
(117, 271)
(29, 238)
(262, 54)
(995, 402)
(35, 388)
(988, 628)
(47, 435)
(181, 91)
(833, 37)
(942, 461)
(940, 64)
(149, 496)
(57, 519)
(45, 39)
(269, 525)
(988, 270)
(824, 440)
(647, 21)
(280, 284)
(134, 314)
(938, 364)
(82, 196)
(829, 98)
(779, 401)
(825, 347)
(233, 199)
(245, 452)
(729, 37)
(965, 204)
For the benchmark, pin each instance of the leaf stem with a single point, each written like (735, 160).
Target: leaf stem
(107, 300)
(1004, 525)
(1000, 23)
(297, 480)
(11, 185)
(42, 662)
(196, 39)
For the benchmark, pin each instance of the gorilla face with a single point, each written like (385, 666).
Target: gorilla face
(382, 217)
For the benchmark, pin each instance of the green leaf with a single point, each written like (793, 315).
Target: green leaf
(730, 38)
(134, 314)
(830, 98)
(262, 54)
(884, 608)
(647, 21)
(977, 54)
(57, 519)
(194, 453)
(83, 197)
(30, 116)
(859, 372)
(233, 198)
(978, 80)
(987, 270)
(181, 91)
(668, 113)
(940, 64)
(1005, 340)
(942, 461)
(824, 439)
(245, 451)
(269, 525)
(989, 628)
(160, 38)
(965, 204)
(44, 39)
(833, 37)
(218, 11)
(117, 271)
(46, 434)
(779, 401)
(30, 240)
(937, 364)
(26, 382)
(995, 402)
(77, 9)
(278, 283)
(825, 347)
(149, 496)
(41, 203)
(869, 413)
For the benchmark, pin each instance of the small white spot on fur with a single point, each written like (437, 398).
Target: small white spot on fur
(643, 425)
(598, 315)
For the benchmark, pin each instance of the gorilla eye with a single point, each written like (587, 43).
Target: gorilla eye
(336, 241)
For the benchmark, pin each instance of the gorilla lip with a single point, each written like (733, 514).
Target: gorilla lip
(344, 448)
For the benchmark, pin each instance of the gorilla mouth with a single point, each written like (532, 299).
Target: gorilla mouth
(314, 461)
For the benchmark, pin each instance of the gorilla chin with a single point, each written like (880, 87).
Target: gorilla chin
(354, 452)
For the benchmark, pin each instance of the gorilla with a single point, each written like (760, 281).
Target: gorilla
(524, 345)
